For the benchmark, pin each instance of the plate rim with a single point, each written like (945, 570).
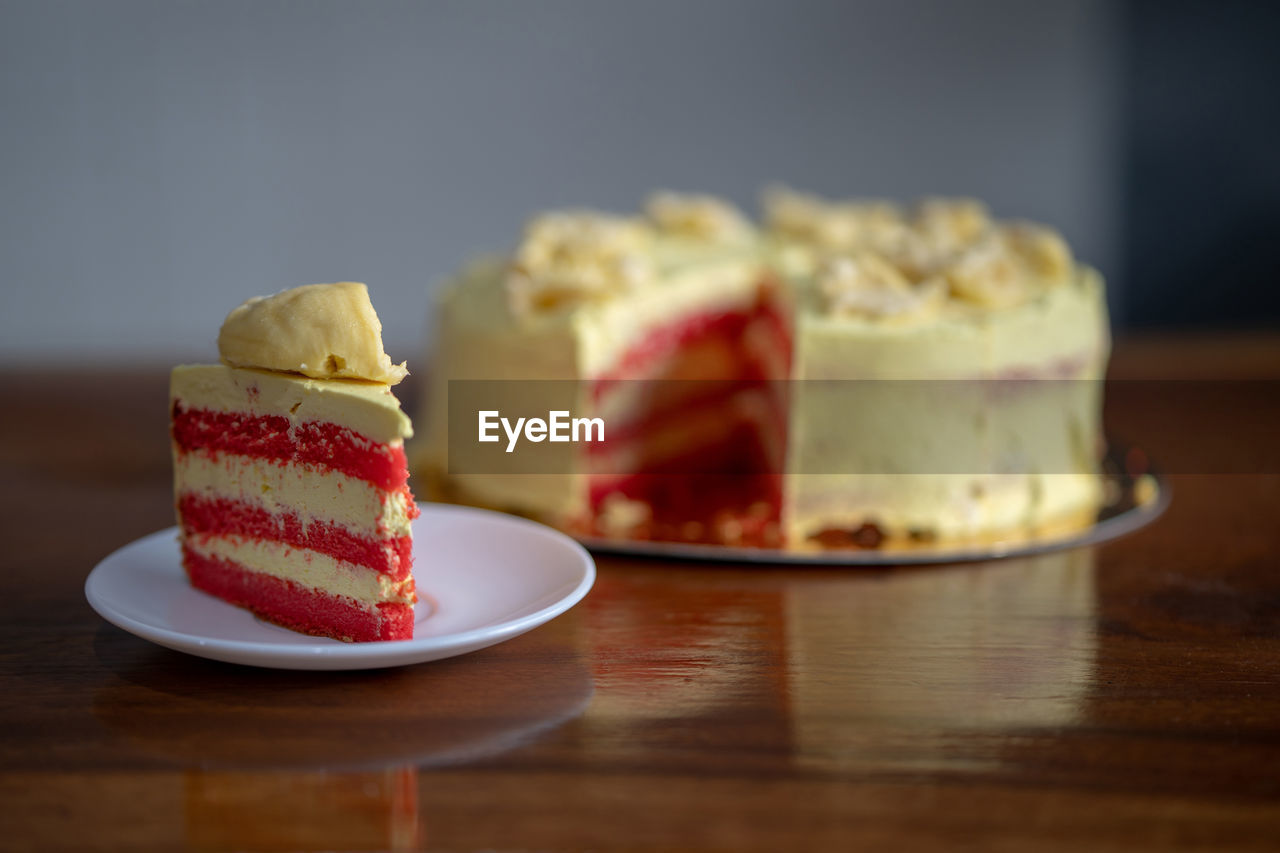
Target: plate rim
(369, 655)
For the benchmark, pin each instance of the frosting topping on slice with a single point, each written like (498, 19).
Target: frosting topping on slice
(324, 331)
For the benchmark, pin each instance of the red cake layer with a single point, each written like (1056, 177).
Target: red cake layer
(717, 509)
(672, 338)
(390, 556)
(656, 406)
(731, 475)
(679, 341)
(270, 437)
(296, 607)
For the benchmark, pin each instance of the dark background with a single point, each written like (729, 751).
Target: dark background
(1201, 164)
(161, 161)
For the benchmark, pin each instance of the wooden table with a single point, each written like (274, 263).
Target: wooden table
(1114, 698)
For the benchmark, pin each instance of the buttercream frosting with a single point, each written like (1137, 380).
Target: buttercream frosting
(324, 331)
(365, 408)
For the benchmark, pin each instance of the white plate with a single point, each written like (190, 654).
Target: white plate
(482, 578)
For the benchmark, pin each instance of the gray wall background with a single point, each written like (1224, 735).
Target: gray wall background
(162, 161)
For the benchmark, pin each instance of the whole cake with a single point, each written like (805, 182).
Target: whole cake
(290, 478)
(850, 374)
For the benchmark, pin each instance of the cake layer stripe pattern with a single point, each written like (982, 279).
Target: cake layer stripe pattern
(391, 556)
(290, 477)
(295, 606)
(314, 493)
(273, 437)
(306, 568)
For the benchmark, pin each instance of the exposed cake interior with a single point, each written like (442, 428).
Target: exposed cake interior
(697, 414)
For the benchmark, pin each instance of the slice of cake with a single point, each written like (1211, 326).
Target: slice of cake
(290, 480)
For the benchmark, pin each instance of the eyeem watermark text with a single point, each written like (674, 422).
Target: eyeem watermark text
(559, 426)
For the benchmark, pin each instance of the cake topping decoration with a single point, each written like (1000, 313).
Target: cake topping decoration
(949, 246)
(949, 225)
(572, 257)
(865, 284)
(987, 275)
(999, 270)
(701, 217)
(834, 225)
(940, 231)
(1041, 250)
(325, 331)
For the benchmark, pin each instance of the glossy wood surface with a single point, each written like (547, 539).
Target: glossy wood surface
(1122, 697)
